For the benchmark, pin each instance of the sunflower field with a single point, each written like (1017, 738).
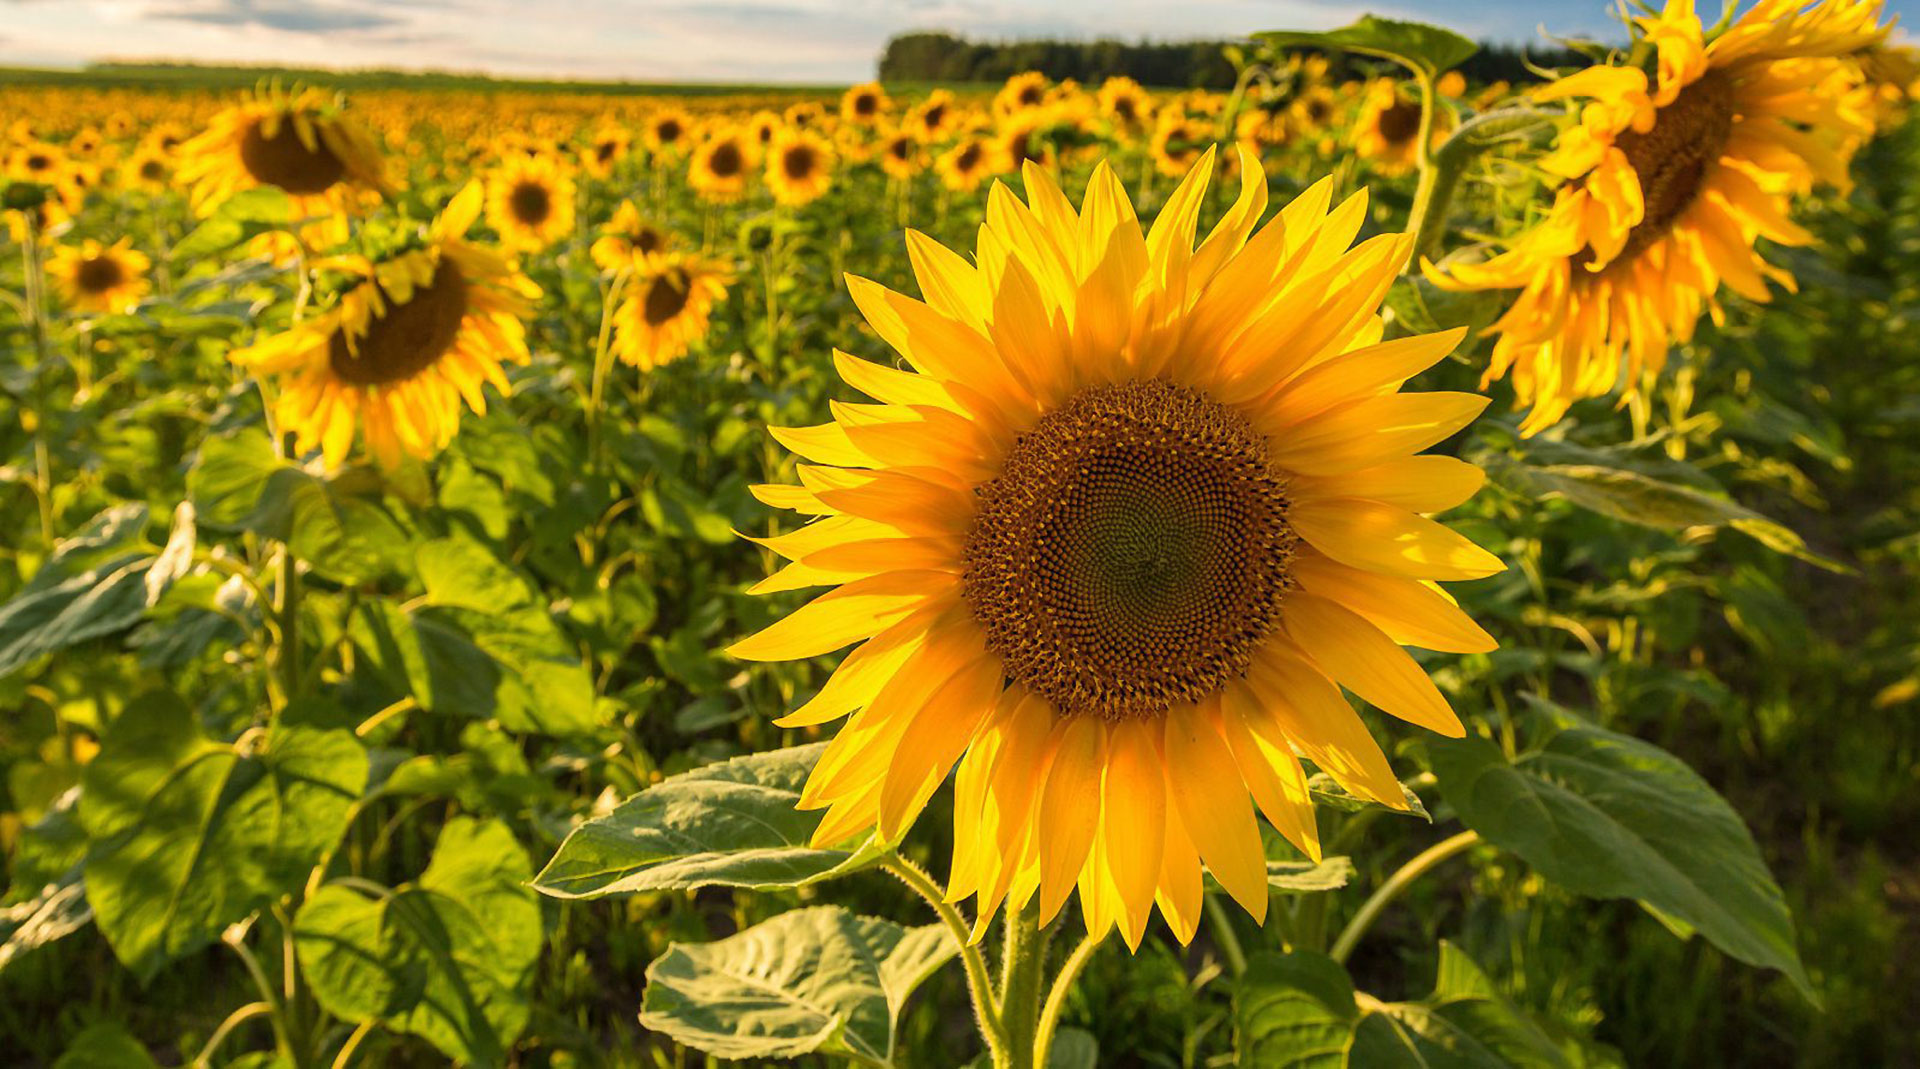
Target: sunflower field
(1364, 569)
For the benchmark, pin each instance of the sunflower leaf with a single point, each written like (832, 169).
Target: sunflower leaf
(1427, 50)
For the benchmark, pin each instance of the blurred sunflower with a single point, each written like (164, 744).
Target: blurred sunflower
(1177, 142)
(608, 148)
(806, 115)
(37, 161)
(1670, 181)
(865, 105)
(1314, 109)
(147, 169)
(1125, 104)
(719, 168)
(99, 278)
(530, 201)
(666, 308)
(626, 236)
(965, 165)
(1113, 543)
(1388, 130)
(1452, 85)
(761, 130)
(901, 155)
(419, 333)
(667, 131)
(1019, 139)
(935, 119)
(799, 167)
(301, 143)
(1022, 92)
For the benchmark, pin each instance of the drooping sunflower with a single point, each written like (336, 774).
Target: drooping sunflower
(719, 168)
(100, 278)
(530, 201)
(936, 117)
(667, 132)
(301, 142)
(666, 308)
(626, 236)
(1126, 106)
(865, 105)
(1115, 542)
(1670, 179)
(1388, 131)
(799, 167)
(965, 165)
(901, 155)
(419, 333)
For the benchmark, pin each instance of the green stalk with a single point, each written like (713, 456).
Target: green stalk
(603, 363)
(1021, 968)
(1392, 888)
(979, 985)
(1057, 997)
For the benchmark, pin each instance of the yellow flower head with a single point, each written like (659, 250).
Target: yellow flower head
(530, 201)
(1670, 179)
(1388, 132)
(719, 168)
(301, 143)
(965, 165)
(420, 333)
(99, 278)
(1023, 92)
(936, 118)
(608, 147)
(901, 155)
(666, 309)
(865, 105)
(668, 131)
(1117, 539)
(1125, 104)
(626, 236)
(799, 167)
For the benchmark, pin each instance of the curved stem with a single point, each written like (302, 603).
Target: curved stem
(219, 1036)
(979, 984)
(1394, 885)
(602, 362)
(1057, 997)
(345, 1057)
(236, 937)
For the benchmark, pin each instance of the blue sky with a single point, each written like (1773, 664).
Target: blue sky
(826, 41)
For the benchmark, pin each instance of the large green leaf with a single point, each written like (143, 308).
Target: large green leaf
(191, 834)
(1293, 1011)
(100, 581)
(809, 980)
(447, 958)
(239, 218)
(1424, 48)
(106, 1045)
(1611, 816)
(732, 824)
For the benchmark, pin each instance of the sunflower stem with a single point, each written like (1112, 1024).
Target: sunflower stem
(603, 363)
(1063, 982)
(1222, 927)
(287, 609)
(1021, 967)
(1394, 885)
(979, 983)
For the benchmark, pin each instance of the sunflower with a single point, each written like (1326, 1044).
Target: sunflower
(609, 147)
(420, 332)
(1452, 85)
(667, 132)
(1388, 131)
(301, 143)
(1177, 142)
(865, 105)
(799, 167)
(762, 128)
(935, 118)
(627, 236)
(530, 201)
(37, 161)
(1114, 541)
(806, 115)
(901, 155)
(1670, 179)
(666, 308)
(965, 165)
(148, 169)
(1314, 108)
(1023, 92)
(1126, 106)
(99, 278)
(719, 168)
(1020, 138)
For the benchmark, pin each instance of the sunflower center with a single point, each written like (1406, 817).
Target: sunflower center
(531, 203)
(285, 161)
(1123, 107)
(968, 157)
(1400, 122)
(865, 104)
(668, 132)
(99, 274)
(1132, 553)
(936, 115)
(1030, 96)
(647, 240)
(39, 162)
(604, 151)
(726, 160)
(797, 162)
(666, 297)
(1672, 159)
(152, 170)
(410, 338)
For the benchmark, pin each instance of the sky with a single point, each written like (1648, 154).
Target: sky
(746, 41)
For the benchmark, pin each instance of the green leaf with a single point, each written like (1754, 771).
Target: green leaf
(1293, 1011)
(1306, 877)
(240, 218)
(106, 1045)
(733, 824)
(59, 910)
(1073, 1048)
(810, 980)
(1429, 50)
(99, 581)
(1328, 793)
(1611, 816)
(191, 834)
(1644, 500)
(448, 958)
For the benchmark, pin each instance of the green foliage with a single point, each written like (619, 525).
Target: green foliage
(1427, 50)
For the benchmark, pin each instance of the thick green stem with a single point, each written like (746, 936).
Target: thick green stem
(1021, 969)
(1057, 997)
(287, 609)
(603, 363)
(1392, 888)
(1221, 925)
(979, 983)
(1439, 176)
(220, 1034)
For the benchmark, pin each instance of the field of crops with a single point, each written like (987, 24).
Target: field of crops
(442, 517)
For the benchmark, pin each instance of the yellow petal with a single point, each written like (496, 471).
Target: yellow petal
(1204, 785)
(1070, 808)
(1360, 657)
(1378, 537)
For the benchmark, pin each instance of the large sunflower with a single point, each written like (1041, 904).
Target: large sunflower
(666, 309)
(1113, 542)
(100, 278)
(530, 200)
(301, 143)
(799, 166)
(418, 334)
(1670, 179)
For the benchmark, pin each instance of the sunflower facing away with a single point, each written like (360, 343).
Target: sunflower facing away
(666, 308)
(300, 143)
(799, 167)
(99, 278)
(1670, 179)
(530, 201)
(626, 236)
(1116, 541)
(417, 335)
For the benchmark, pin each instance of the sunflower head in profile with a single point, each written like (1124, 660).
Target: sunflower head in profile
(414, 336)
(607, 148)
(626, 237)
(667, 132)
(1126, 106)
(936, 118)
(964, 166)
(1388, 131)
(865, 105)
(901, 155)
(299, 142)
(1671, 176)
(805, 115)
(1022, 92)
(530, 201)
(1114, 543)
(667, 306)
(720, 165)
(799, 167)
(92, 277)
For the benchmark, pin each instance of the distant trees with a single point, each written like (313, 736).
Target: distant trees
(944, 57)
